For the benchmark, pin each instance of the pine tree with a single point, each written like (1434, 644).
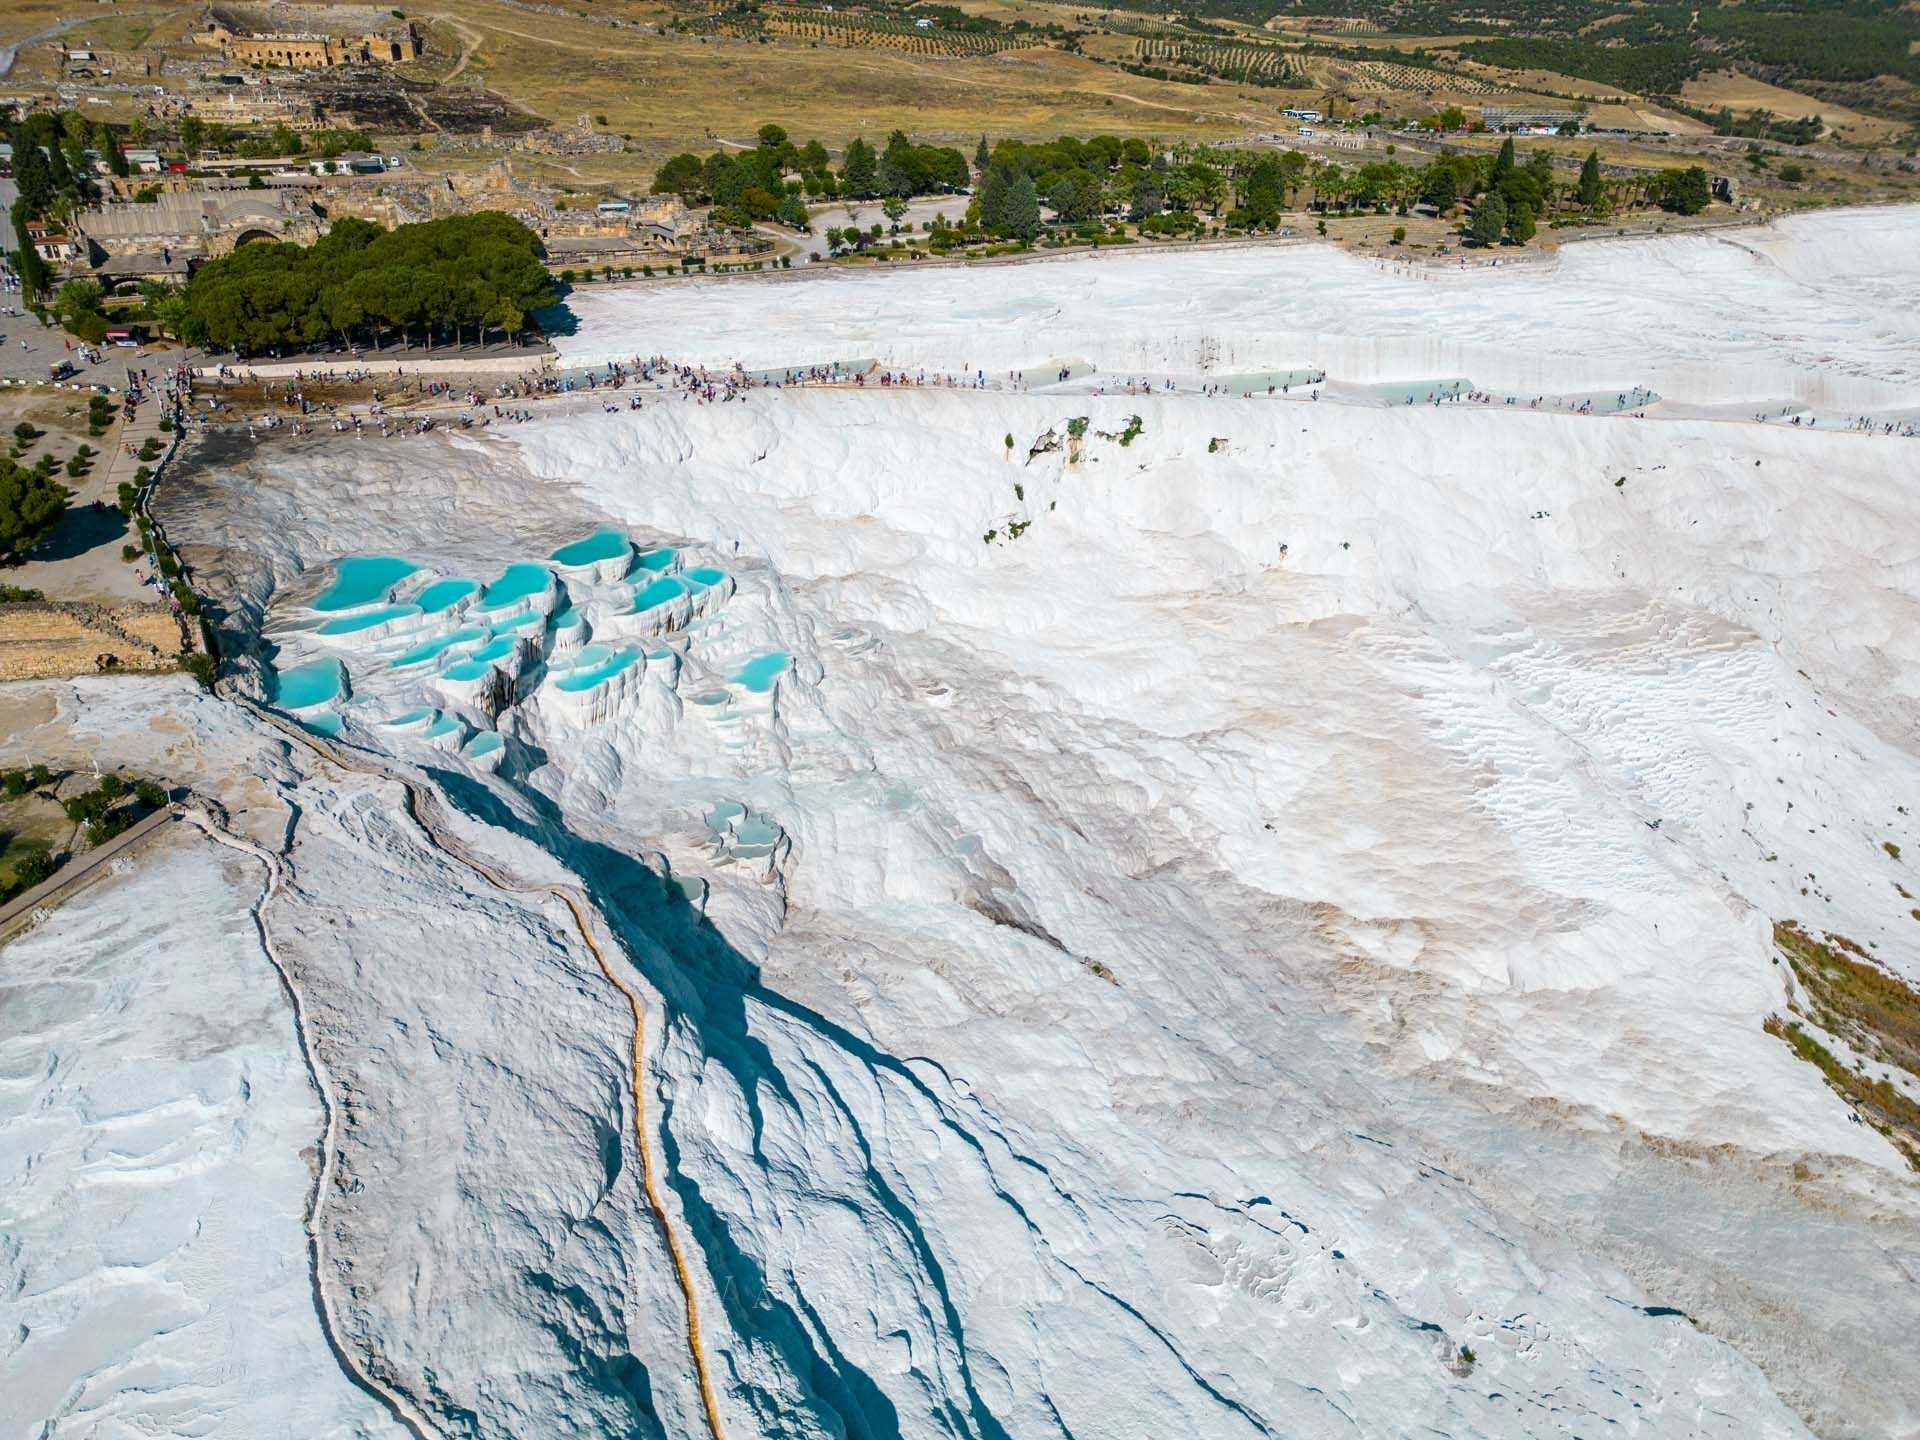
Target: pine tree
(980, 155)
(1589, 191)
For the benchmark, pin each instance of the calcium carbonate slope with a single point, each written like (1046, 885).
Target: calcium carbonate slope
(1278, 947)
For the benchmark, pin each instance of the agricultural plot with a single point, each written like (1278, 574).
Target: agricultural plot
(1394, 76)
(1241, 64)
(826, 27)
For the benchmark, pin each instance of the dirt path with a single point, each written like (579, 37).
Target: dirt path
(1175, 109)
(584, 49)
(469, 40)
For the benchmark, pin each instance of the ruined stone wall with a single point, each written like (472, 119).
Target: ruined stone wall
(52, 640)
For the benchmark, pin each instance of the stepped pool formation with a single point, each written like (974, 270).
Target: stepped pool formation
(1232, 915)
(524, 638)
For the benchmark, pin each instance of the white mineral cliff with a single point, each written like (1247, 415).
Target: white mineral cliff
(1259, 929)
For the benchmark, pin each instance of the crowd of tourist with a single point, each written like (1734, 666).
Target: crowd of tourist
(631, 384)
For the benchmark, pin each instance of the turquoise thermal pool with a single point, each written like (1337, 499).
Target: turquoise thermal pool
(515, 584)
(367, 619)
(759, 673)
(307, 685)
(363, 580)
(484, 743)
(660, 592)
(706, 575)
(432, 649)
(443, 594)
(1260, 381)
(446, 725)
(1421, 392)
(656, 560)
(752, 830)
(325, 722)
(498, 648)
(520, 621)
(601, 545)
(467, 671)
(597, 671)
(412, 717)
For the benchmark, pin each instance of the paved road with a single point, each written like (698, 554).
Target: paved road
(866, 214)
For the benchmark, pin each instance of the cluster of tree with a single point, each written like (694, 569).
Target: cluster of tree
(29, 870)
(1753, 124)
(279, 142)
(1658, 48)
(1513, 196)
(1509, 205)
(31, 504)
(54, 177)
(1161, 72)
(1651, 68)
(103, 809)
(902, 170)
(480, 272)
(1405, 17)
(1101, 155)
(752, 185)
(77, 307)
(1526, 189)
(774, 180)
(1082, 180)
(1266, 187)
(1685, 192)
(51, 166)
(1857, 43)
(1445, 121)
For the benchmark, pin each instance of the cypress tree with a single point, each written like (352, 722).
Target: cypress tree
(1589, 191)
(31, 174)
(996, 189)
(859, 171)
(1502, 165)
(1489, 219)
(980, 155)
(1023, 208)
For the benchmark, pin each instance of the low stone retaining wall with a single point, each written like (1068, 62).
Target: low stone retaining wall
(78, 871)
